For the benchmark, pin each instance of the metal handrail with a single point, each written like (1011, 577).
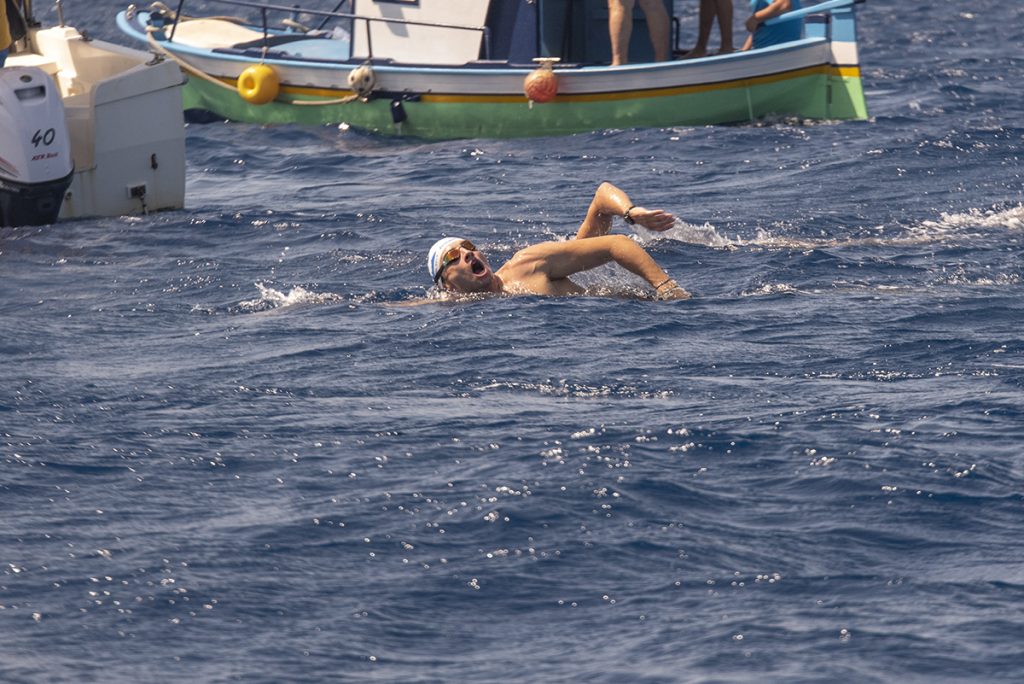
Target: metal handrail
(264, 7)
(813, 9)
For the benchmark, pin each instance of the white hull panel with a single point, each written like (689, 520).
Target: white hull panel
(124, 119)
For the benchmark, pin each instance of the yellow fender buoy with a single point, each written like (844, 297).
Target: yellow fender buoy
(258, 84)
(541, 84)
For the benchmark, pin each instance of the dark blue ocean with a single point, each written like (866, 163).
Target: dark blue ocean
(229, 454)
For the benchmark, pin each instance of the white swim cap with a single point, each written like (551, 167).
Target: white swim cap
(436, 253)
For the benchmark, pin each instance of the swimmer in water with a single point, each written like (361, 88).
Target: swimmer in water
(456, 265)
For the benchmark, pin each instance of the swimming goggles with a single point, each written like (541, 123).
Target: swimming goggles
(452, 255)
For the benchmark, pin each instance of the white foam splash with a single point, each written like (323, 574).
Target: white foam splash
(689, 233)
(960, 276)
(947, 226)
(273, 299)
(564, 388)
(1011, 219)
(770, 289)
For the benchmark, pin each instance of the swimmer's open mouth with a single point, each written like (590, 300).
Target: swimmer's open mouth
(477, 267)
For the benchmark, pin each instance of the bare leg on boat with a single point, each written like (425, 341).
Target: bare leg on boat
(709, 11)
(620, 28)
(657, 27)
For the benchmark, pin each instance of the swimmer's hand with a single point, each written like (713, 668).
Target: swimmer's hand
(652, 219)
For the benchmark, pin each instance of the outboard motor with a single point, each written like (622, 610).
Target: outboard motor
(35, 151)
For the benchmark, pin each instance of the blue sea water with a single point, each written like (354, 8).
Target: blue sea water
(228, 454)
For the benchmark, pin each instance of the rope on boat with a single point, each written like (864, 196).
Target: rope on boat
(195, 71)
(361, 79)
(161, 8)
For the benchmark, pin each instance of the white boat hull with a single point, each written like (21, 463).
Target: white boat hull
(124, 119)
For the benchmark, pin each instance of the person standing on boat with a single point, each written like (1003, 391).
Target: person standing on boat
(709, 11)
(783, 32)
(620, 28)
(456, 265)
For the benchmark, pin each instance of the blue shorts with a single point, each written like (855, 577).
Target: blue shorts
(3, 56)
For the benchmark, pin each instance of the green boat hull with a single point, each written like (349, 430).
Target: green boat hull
(823, 92)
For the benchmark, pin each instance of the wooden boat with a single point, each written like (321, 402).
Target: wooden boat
(118, 127)
(440, 69)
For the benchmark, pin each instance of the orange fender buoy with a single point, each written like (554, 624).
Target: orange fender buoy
(258, 84)
(541, 84)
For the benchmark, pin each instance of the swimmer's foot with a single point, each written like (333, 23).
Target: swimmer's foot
(725, 50)
(696, 53)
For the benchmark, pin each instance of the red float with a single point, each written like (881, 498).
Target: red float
(541, 84)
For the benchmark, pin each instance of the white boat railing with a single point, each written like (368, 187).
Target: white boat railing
(265, 8)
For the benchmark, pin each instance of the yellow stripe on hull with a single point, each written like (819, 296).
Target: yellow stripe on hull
(467, 98)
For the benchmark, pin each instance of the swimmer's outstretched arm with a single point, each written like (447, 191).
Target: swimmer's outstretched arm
(562, 259)
(609, 202)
